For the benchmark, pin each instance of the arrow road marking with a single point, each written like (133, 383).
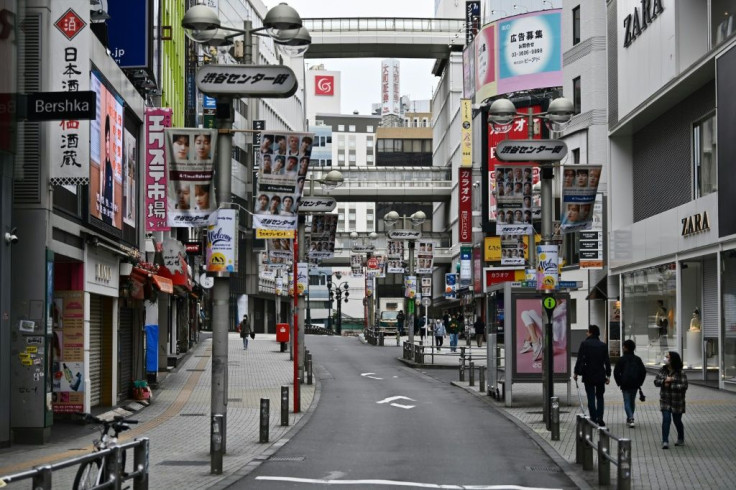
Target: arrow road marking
(405, 407)
(398, 405)
(368, 375)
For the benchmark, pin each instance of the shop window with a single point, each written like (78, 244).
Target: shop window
(722, 13)
(704, 157)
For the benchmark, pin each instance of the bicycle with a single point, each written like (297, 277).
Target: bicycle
(94, 473)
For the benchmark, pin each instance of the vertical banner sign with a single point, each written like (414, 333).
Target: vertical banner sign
(477, 270)
(67, 368)
(157, 175)
(395, 257)
(465, 205)
(258, 125)
(466, 133)
(469, 70)
(321, 240)
(450, 285)
(222, 242)
(302, 277)
(191, 193)
(369, 286)
(579, 188)
(410, 287)
(69, 68)
(283, 161)
(485, 63)
(390, 99)
(548, 269)
(591, 242)
(425, 258)
(466, 267)
(472, 20)
(426, 287)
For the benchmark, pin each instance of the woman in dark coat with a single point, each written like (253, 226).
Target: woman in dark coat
(672, 382)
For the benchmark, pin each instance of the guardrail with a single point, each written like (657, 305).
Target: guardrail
(112, 458)
(584, 445)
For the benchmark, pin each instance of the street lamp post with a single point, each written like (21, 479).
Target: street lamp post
(360, 247)
(338, 292)
(419, 217)
(501, 114)
(202, 25)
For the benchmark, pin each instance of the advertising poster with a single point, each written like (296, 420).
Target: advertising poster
(222, 242)
(466, 134)
(512, 250)
(469, 70)
(321, 240)
(450, 285)
(530, 51)
(548, 268)
(426, 284)
(515, 205)
(157, 173)
(424, 258)
(466, 266)
(68, 65)
(283, 161)
(591, 242)
(410, 287)
(395, 257)
(301, 279)
(67, 366)
(485, 63)
(579, 189)
(191, 193)
(106, 156)
(130, 167)
(280, 251)
(390, 87)
(529, 336)
(356, 265)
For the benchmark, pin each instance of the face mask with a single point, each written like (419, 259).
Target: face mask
(666, 361)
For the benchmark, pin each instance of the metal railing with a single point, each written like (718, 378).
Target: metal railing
(584, 445)
(111, 458)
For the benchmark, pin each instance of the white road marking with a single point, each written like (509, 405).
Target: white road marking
(399, 405)
(369, 375)
(394, 398)
(396, 483)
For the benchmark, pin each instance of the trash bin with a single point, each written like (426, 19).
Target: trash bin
(282, 335)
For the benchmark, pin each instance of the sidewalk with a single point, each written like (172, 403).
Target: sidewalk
(177, 421)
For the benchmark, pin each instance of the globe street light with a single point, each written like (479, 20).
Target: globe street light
(338, 292)
(202, 25)
(360, 246)
(501, 114)
(416, 219)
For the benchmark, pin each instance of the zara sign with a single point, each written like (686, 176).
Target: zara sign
(638, 21)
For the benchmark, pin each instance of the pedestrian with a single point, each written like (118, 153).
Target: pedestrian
(422, 326)
(439, 333)
(672, 381)
(594, 366)
(454, 331)
(480, 331)
(244, 328)
(400, 322)
(629, 375)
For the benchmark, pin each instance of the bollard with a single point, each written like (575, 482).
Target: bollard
(555, 417)
(42, 479)
(587, 445)
(284, 406)
(114, 466)
(263, 432)
(140, 463)
(482, 379)
(604, 464)
(462, 372)
(471, 374)
(309, 371)
(216, 444)
(579, 421)
(624, 464)
(380, 339)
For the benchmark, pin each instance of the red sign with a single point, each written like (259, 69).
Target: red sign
(499, 276)
(465, 206)
(372, 263)
(70, 24)
(324, 85)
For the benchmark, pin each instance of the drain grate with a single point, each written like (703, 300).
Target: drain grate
(192, 414)
(196, 370)
(545, 469)
(235, 399)
(286, 459)
(183, 463)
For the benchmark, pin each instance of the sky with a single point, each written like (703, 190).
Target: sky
(361, 77)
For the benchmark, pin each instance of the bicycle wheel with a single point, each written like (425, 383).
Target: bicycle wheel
(89, 475)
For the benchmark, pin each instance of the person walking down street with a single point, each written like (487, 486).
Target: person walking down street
(400, 321)
(480, 331)
(672, 381)
(245, 331)
(421, 326)
(594, 366)
(453, 330)
(439, 333)
(629, 375)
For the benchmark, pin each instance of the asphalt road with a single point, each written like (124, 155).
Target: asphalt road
(380, 424)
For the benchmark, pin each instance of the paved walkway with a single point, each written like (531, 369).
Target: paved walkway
(177, 421)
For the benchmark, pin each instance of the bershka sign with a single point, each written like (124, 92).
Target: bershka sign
(60, 106)
(638, 21)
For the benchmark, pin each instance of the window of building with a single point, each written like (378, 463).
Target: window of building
(369, 158)
(351, 159)
(722, 21)
(705, 169)
(351, 128)
(416, 122)
(369, 142)
(576, 96)
(576, 25)
(329, 140)
(341, 158)
(351, 142)
(425, 122)
(341, 127)
(328, 162)
(369, 129)
(576, 156)
(341, 142)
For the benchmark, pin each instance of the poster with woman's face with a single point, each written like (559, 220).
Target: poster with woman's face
(130, 167)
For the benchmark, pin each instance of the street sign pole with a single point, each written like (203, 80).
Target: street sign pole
(549, 302)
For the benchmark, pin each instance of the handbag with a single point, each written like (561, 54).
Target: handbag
(641, 396)
(252, 335)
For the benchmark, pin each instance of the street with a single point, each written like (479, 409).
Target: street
(380, 423)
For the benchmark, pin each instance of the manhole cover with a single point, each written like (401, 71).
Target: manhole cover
(547, 469)
(285, 459)
(192, 414)
(184, 463)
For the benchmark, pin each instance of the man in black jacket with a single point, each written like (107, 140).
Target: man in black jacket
(629, 375)
(594, 366)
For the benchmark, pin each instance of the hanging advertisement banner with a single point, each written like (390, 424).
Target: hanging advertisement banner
(465, 205)
(321, 239)
(69, 68)
(472, 20)
(466, 266)
(279, 251)
(67, 366)
(356, 265)
(426, 287)
(486, 80)
(222, 242)
(302, 279)
(548, 269)
(157, 174)
(191, 193)
(469, 70)
(450, 286)
(425, 258)
(516, 206)
(410, 287)
(512, 250)
(283, 161)
(579, 189)
(591, 242)
(466, 133)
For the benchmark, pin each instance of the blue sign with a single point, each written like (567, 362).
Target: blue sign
(129, 32)
(209, 102)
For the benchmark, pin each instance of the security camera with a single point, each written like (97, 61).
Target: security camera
(10, 237)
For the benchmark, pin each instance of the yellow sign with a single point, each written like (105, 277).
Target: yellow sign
(492, 248)
(466, 133)
(268, 234)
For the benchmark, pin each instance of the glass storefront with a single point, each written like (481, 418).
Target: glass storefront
(648, 311)
(728, 285)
